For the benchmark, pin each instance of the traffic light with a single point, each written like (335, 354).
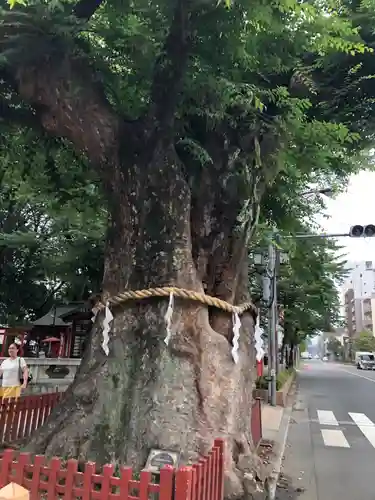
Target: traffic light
(362, 231)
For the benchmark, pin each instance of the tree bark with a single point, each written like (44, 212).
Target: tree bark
(291, 355)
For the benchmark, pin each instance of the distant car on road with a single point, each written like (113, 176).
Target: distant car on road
(365, 360)
(316, 356)
(325, 358)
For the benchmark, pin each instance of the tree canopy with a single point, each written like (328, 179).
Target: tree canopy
(52, 230)
(334, 347)
(365, 342)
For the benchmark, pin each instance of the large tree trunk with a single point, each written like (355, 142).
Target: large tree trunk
(145, 394)
(166, 229)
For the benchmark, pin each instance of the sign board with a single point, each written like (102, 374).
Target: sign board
(157, 459)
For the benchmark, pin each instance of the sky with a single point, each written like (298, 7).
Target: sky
(355, 206)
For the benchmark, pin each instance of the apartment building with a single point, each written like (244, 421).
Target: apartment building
(359, 299)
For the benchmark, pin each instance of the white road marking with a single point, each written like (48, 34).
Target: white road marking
(334, 437)
(356, 374)
(366, 426)
(326, 417)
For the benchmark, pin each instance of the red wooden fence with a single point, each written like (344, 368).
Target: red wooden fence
(51, 481)
(20, 417)
(54, 481)
(256, 421)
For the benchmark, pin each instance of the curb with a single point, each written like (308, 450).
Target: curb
(272, 480)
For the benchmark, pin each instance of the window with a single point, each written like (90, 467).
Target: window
(367, 357)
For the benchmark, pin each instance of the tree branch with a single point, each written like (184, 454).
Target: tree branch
(85, 9)
(170, 67)
(72, 105)
(49, 297)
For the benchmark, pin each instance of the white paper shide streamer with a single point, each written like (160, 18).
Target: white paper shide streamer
(236, 336)
(168, 318)
(258, 340)
(108, 317)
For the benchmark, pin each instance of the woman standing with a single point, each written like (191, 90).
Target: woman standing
(13, 369)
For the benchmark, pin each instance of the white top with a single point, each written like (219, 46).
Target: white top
(11, 371)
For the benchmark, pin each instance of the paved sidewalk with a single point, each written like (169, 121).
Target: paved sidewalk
(275, 425)
(271, 421)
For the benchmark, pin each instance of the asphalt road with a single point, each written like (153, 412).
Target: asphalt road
(330, 452)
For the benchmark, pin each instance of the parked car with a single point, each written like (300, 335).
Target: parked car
(365, 361)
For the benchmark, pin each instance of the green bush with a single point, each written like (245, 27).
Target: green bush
(282, 377)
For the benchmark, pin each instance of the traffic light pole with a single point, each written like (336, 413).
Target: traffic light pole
(320, 236)
(272, 271)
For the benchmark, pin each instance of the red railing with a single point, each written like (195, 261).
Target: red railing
(208, 475)
(256, 421)
(53, 480)
(20, 417)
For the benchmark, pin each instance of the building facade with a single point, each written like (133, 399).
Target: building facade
(359, 299)
(350, 316)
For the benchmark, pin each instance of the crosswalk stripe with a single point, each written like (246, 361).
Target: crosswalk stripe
(365, 425)
(326, 417)
(334, 437)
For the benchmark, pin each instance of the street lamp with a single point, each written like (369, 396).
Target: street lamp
(258, 258)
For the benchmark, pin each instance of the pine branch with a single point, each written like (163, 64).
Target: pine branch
(170, 67)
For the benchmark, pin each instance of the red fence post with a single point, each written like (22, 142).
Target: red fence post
(6, 463)
(144, 480)
(215, 473)
(183, 484)
(87, 480)
(221, 447)
(71, 470)
(3, 419)
(106, 482)
(22, 461)
(166, 483)
(256, 421)
(54, 467)
(198, 486)
(35, 480)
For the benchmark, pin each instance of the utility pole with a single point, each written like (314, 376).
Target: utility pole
(275, 302)
(274, 258)
(272, 322)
